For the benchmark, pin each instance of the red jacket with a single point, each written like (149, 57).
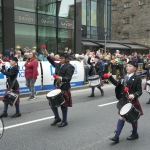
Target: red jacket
(31, 69)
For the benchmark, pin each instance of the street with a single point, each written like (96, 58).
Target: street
(91, 123)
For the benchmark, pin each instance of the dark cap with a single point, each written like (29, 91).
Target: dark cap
(133, 63)
(14, 59)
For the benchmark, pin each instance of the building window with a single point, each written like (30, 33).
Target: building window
(47, 36)
(47, 7)
(126, 20)
(26, 5)
(93, 14)
(83, 12)
(142, 2)
(125, 35)
(25, 36)
(127, 5)
(65, 39)
(114, 7)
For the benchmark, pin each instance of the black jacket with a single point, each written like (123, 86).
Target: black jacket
(95, 69)
(134, 84)
(11, 74)
(66, 72)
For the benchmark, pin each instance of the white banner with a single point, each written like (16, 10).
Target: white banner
(48, 80)
(49, 70)
(21, 79)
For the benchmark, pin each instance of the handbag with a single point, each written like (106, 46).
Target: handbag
(10, 97)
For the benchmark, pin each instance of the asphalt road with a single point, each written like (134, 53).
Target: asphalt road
(90, 126)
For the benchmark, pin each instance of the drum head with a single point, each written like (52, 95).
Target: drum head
(148, 82)
(93, 77)
(126, 108)
(1, 128)
(53, 93)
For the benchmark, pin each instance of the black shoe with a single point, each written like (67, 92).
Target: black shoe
(92, 95)
(102, 93)
(63, 124)
(148, 102)
(3, 115)
(55, 122)
(133, 136)
(115, 139)
(16, 115)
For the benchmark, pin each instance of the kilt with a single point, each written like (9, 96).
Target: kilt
(15, 91)
(137, 105)
(67, 97)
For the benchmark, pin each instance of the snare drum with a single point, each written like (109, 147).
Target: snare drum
(148, 86)
(55, 98)
(10, 98)
(94, 80)
(130, 113)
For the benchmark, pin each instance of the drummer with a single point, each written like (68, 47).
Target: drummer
(11, 75)
(133, 82)
(64, 71)
(96, 69)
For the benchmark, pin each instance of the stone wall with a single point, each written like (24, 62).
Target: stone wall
(139, 21)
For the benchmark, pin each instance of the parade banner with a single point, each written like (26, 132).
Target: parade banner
(45, 78)
(49, 70)
(21, 79)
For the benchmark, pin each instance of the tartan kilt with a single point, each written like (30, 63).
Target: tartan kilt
(67, 97)
(15, 91)
(137, 105)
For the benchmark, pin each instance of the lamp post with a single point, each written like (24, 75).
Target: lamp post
(105, 33)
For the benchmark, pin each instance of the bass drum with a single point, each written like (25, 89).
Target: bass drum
(130, 113)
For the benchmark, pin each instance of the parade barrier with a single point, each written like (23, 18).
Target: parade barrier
(44, 79)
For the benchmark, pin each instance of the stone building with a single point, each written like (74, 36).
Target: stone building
(131, 21)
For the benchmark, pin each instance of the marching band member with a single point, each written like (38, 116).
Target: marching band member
(96, 69)
(64, 71)
(11, 74)
(147, 67)
(133, 82)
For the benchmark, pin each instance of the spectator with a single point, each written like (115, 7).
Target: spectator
(136, 58)
(31, 73)
(69, 51)
(42, 56)
(26, 56)
(7, 55)
(86, 65)
(12, 52)
(19, 56)
(52, 56)
(1, 56)
(56, 57)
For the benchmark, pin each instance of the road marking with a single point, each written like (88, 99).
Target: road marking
(107, 104)
(29, 122)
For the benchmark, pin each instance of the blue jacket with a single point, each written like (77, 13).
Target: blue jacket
(42, 58)
(103, 64)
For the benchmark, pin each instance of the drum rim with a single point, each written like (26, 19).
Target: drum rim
(54, 95)
(129, 109)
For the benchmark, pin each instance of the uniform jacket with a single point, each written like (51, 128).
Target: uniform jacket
(134, 84)
(95, 69)
(66, 72)
(11, 74)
